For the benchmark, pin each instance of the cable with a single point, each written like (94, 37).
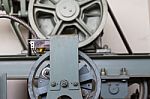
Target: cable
(21, 22)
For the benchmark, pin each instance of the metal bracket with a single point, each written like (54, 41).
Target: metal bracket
(64, 71)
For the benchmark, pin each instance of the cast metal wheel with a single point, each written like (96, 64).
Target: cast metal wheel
(54, 17)
(89, 78)
(138, 90)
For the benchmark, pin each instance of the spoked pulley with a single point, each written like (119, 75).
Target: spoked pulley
(55, 17)
(39, 77)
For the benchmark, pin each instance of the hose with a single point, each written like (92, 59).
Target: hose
(21, 22)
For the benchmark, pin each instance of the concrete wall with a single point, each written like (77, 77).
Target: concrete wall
(132, 15)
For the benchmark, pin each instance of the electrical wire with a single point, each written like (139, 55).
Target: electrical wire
(21, 22)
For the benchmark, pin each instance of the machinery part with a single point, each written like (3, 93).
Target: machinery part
(88, 74)
(85, 18)
(38, 46)
(11, 9)
(16, 28)
(114, 89)
(20, 22)
(139, 90)
(3, 86)
(6, 5)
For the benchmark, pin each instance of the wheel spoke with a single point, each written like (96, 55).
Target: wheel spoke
(87, 3)
(57, 29)
(83, 28)
(54, 1)
(44, 10)
(44, 6)
(93, 14)
(40, 90)
(86, 77)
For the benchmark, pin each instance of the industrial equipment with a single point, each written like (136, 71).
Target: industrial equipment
(65, 57)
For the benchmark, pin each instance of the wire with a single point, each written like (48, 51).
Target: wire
(21, 22)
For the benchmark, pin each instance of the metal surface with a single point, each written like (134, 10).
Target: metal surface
(8, 6)
(63, 72)
(3, 86)
(114, 89)
(16, 28)
(23, 65)
(64, 61)
(85, 18)
(88, 75)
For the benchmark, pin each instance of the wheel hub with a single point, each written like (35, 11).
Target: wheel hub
(67, 10)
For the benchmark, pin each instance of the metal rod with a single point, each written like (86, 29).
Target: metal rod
(19, 35)
(119, 30)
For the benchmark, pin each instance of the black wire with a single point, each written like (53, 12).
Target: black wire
(21, 22)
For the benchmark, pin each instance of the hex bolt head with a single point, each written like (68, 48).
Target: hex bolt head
(75, 84)
(53, 84)
(64, 83)
(123, 71)
(103, 72)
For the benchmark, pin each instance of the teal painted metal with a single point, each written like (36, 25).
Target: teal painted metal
(3, 86)
(114, 90)
(18, 67)
(64, 70)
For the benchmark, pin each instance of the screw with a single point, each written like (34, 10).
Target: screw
(75, 84)
(46, 72)
(64, 83)
(53, 84)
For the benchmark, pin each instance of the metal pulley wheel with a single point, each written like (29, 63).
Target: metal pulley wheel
(89, 78)
(57, 17)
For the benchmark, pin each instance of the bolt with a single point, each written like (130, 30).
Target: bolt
(64, 83)
(103, 72)
(123, 71)
(46, 72)
(75, 84)
(53, 84)
(105, 46)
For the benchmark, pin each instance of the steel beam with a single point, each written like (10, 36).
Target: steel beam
(18, 67)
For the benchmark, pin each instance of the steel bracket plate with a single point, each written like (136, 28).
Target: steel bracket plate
(64, 70)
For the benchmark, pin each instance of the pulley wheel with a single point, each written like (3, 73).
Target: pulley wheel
(89, 78)
(57, 17)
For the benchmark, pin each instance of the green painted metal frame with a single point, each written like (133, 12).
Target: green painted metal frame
(18, 67)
